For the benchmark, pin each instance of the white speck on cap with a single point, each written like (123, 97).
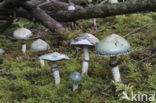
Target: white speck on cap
(39, 45)
(85, 39)
(1, 51)
(112, 45)
(54, 56)
(22, 33)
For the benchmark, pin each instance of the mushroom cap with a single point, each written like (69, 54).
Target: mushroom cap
(22, 33)
(1, 51)
(71, 7)
(54, 56)
(75, 77)
(85, 39)
(112, 45)
(39, 45)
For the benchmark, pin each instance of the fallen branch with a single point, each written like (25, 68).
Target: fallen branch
(106, 10)
(11, 38)
(101, 3)
(138, 29)
(56, 5)
(45, 19)
(5, 22)
(7, 4)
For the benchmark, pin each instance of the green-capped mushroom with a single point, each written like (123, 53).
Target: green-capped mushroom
(22, 34)
(85, 40)
(113, 46)
(76, 78)
(54, 57)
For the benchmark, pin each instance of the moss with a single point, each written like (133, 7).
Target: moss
(34, 84)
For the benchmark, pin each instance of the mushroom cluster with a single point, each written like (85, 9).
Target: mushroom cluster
(110, 46)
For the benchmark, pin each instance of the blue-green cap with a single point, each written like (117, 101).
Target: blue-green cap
(1, 51)
(75, 77)
(112, 45)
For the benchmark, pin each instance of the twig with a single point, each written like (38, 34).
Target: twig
(44, 3)
(45, 19)
(11, 38)
(101, 3)
(147, 58)
(138, 29)
(5, 74)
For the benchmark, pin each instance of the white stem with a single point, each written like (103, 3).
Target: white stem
(42, 62)
(75, 86)
(56, 73)
(85, 61)
(116, 74)
(94, 21)
(24, 47)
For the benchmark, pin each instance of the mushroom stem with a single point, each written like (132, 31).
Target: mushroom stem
(75, 86)
(115, 69)
(24, 47)
(56, 73)
(95, 24)
(85, 61)
(42, 62)
(116, 73)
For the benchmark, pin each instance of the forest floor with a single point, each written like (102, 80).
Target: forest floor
(27, 82)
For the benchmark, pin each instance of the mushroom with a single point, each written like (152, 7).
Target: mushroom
(54, 57)
(85, 40)
(71, 7)
(22, 34)
(2, 51)
(113, 46)
(76, 78)
(40, 45)
(113, 1)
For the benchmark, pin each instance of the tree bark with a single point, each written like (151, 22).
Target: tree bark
(106, 10)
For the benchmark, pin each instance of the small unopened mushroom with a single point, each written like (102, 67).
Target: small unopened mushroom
(113, 46)
(22, 34)
(40, 45)
(2, 51)
(54, 57)
(85, 40)
(76, 78)
(71, 7)
(113, 1)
